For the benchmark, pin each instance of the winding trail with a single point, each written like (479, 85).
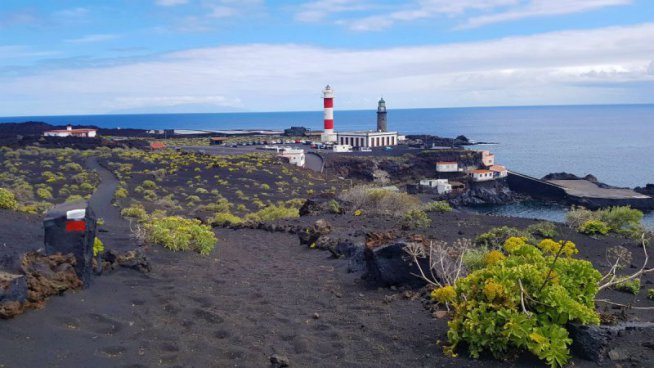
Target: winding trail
(116, 228)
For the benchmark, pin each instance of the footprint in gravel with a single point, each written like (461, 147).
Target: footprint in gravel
(221, 334)
(169, 347)
(202, 300)
(208, 316)
(235, 354)
(168, 359)
(113, 351)
(104, 325)
(70, 323)
(171, 309)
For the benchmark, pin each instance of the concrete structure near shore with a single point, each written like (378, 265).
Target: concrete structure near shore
(293, 156)
(70, 132)
(368, 139)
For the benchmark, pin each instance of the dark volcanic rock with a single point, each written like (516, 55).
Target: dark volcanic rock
(490, 192)
(646, 190)
(390, 265)
(617, 343)
(317, 205)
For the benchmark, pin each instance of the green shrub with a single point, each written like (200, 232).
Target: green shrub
(37, 208)
(650, 293)
(495, 237)
(622, 220)
(135, 211)
(543, 229)
(121, 193)
(87, 187)
(416, 219)
(98, 246)
(577, 216)
(7, 199)
(380, 201)
(629, 286)
(149, 184)
(74, 197)
(225, 219)
(334, 207)
(592, 227)
(474, 259)
(438, 206)
(523, 301)
(179, 234)
(272, 213)
(72, 166)
(44, 193)
(150, 195)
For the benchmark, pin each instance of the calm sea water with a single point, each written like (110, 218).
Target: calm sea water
(615, 143)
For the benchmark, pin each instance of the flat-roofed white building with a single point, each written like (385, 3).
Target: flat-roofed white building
(447, 166)
(70, 132)
(442, 185)
(293, 156)
(367, 139)
(481, 175)
(499, 171)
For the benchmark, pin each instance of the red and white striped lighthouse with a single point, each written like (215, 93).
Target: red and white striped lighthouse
(328, 98)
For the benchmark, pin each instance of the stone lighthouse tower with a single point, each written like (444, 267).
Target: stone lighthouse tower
(382, 123)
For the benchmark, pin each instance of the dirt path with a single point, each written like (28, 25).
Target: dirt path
(115, 232)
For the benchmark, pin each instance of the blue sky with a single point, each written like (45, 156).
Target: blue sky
(91, 57)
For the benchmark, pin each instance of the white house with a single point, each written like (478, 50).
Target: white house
(367, 139)
(442, 185)
(499, 171)
(70, 132)
(481, 175)
(294, 156)
(447, 166)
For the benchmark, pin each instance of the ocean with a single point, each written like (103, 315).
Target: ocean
(613, 142)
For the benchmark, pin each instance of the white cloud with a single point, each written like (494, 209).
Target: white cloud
(551, 68)
(542, 8)
(319, 10)
(492, 11)
(92, 38)
(171, 2)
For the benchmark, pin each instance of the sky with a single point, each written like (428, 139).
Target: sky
(69, 57)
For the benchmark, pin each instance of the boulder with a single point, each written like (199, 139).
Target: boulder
(49, 275)
(13, 293)
(310, 235)
(317, 206)
(390, 265)
(621, 342)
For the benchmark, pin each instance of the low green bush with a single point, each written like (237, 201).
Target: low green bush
(272, 213)
(543, 229)
(225, 219)
(438, 206)
(416, 219)
(44, 193)
(98, 246)
(629, 286)
(495, 237)
(474, 259)
(622, 220)
(134, 211)
(334, 207)
(522, 301)
(180, 234)
(121, 193)
(7, 199)
(593, 227)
